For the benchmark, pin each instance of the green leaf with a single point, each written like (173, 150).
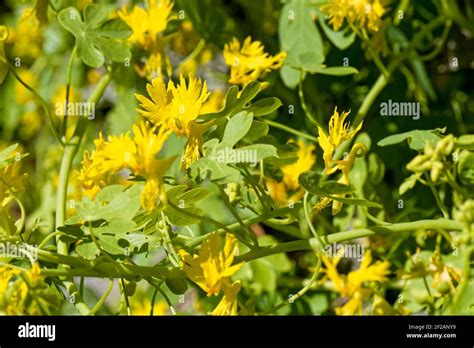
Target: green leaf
(208, 168)
(235, 103)
(261, 150)
(290, 76)
(258, 130)
(178, 218)
(466, 168)
(376, 169)
(264, 106)
(112, 244)
(236, 129)
(87, 250)
(96, 38)
(417, 139)
(113, 202)
(299, 36)
(309, 180)
(335, 71)
(311, 183)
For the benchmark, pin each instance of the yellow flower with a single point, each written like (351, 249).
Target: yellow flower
(11, 177)
(6, 275)
(214, 103)
(291, 172)
(186, 104)
(228, 304)
(304, 163)
(212, 268)
(177, 108)
(147, 25)
(27, 37)
(118, 152)
(15, 298)
(357, 12)
(149, 142)
(351, 286)
(122, 152)
(156, 109)
(338, 133)
(91, 175)
(193, 147)
(249, 62)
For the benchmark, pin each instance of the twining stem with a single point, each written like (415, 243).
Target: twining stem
(439, 44)
(303, 291)
(101, 301)
(438, 199)
(198, 49)
(68, 91)
(369, 99)
(310, 244)
(41, 101)
(70, 150)
(236, 216)
(250, 221)
(320, 242)
(290, 130)
(303, 102)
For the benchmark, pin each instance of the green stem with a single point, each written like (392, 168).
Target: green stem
(369, 99)
(303, 291)
(198, 49)
(41, 101)
(101, 301)
(70, 151)
(310, 244)
(438, 199)
(236, 216)
(320, 242)
(383, 79)
(249, 221)
(303, 102)
(68, 90)
(290, 130)
(440, 44)
(107, 270)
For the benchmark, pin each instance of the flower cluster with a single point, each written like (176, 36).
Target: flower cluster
(212, 268)
(176, 107)
(248, 62)
(138, 154)
(147, 26)
(362, 13)
(352, 286)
